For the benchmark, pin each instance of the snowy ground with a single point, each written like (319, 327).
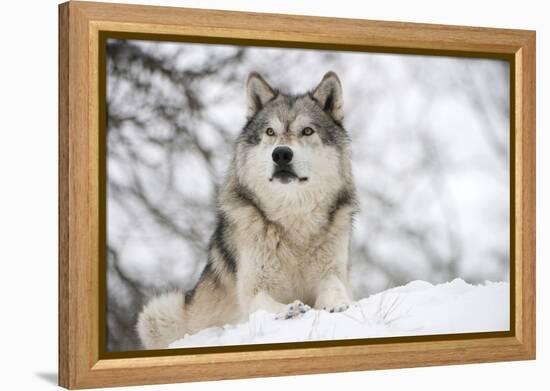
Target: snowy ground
(418, 308)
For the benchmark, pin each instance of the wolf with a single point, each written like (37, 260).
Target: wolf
(284, 219)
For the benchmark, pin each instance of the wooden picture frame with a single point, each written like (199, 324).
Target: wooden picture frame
(83, 362)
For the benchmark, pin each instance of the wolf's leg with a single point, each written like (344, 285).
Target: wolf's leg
(169, 317)
(293, 310)
(333, 295)
(264, 301)
(162, 320)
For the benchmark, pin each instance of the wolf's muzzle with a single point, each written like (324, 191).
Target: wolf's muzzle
(284, 170)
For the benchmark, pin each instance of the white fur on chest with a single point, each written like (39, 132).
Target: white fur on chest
(289, 263)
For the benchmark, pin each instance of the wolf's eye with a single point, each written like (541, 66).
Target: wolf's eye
(270, 132)
(307, 131)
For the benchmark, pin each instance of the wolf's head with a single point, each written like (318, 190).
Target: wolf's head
(293, 149)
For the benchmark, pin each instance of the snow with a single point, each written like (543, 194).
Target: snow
(418, 308)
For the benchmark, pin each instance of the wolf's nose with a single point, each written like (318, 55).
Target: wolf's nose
(282, 155)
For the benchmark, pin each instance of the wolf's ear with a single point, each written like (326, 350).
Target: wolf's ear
(329, 96)
(258, 93)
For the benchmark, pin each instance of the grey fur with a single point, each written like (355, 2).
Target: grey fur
(276, 241)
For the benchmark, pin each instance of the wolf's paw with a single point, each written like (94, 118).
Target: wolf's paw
(293, 310)
(336, 308)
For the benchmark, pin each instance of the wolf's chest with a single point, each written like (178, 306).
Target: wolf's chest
(288, 269)
(289, 262)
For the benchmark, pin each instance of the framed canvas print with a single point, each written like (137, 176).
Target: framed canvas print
(248, 195)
